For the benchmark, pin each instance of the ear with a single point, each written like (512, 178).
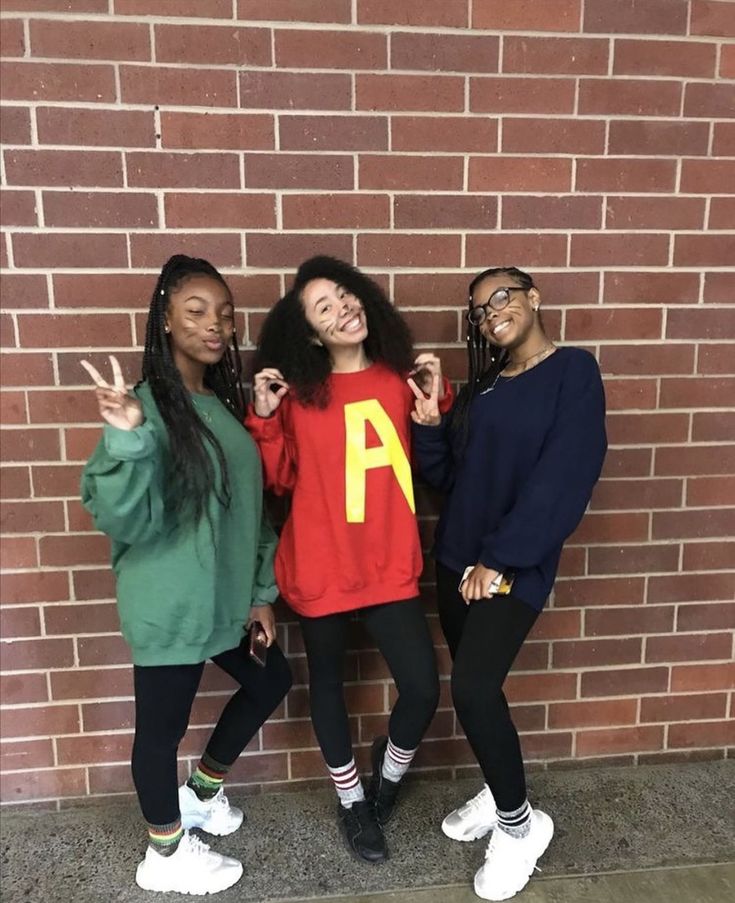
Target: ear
(166, 325)
(535, 298)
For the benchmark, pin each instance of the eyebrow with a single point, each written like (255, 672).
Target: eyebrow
(227, 303)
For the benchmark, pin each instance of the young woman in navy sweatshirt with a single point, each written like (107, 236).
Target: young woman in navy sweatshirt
(517, 456)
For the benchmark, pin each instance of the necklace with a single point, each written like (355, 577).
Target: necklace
(537, 358)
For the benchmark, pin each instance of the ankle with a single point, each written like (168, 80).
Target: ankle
(165, 839)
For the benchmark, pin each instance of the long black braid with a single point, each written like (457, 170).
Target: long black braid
(485, 361)
(191, 475)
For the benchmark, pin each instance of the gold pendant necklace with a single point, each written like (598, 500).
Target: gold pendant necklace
(541, 355)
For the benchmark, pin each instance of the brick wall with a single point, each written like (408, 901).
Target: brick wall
(588, 141)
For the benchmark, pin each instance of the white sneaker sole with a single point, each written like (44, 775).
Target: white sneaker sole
(227, 879)
(545, 832)
(482, 831)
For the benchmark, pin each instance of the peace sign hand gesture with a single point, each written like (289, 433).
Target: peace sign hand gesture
(117, 407)
(426, 410)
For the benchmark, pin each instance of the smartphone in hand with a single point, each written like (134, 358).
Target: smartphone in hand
(258, 644)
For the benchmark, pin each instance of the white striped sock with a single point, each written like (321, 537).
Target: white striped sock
(396, 762)
(347, 783)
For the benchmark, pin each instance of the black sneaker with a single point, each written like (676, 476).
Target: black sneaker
(362, 832)
(382, 792)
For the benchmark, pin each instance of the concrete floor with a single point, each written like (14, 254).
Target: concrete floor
(623, 835)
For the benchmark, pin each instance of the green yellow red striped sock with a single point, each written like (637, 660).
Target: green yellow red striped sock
(208, 777)
(165, 838)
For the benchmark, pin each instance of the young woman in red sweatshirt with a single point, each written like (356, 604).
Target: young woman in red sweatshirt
(331, 415)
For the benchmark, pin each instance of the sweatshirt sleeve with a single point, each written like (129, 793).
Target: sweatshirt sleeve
(265, 591)
(432, 451)
(276, 450)
(122, 484)
(557, 492)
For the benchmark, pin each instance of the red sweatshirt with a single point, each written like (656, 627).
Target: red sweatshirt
(351, 538)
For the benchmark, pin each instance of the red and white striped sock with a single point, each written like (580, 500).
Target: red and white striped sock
(396, 761)
(347, 783)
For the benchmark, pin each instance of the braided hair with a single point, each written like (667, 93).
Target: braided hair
(191, 475)
(485, 361)
(287, 340)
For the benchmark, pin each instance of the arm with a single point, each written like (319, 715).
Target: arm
(556, 493)
(277, 452)
(433, 454)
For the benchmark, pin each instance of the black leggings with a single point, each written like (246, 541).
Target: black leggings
(163, 699)
(484, 638)
(402, 635)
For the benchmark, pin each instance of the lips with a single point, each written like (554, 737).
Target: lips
(214, 344)
(352, 325)
(500, 328)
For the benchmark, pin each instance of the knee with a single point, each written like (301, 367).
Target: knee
(422, 692)
(471, 691)
(280, 679)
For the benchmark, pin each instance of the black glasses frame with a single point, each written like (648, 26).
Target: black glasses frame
(477, 315)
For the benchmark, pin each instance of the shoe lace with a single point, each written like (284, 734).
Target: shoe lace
(478, 801)
(197, 847)
(220, 801)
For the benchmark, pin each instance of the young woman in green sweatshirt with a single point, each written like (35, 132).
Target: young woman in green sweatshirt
(176, 483)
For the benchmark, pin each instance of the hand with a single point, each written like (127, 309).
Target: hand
(265, 398)
(426, 410)
(429, 364)
(477, 583)
(264, 614)
(117, 407)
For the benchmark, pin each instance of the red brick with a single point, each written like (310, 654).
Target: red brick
(89, 127)
(715, 358)
(18, 208)
(58, 81)
(32, 517)
(535, 250)
(633, 249)
(93, 584)
(721, 213)
(707, 176)
(90, 40)
(444, 52)
(584, 653)
(20, 622)
(408, 173)
(698, 678)
(30, 445)
(99, 748)
(60, 331)
(709, 101)
(629, 97)
(173, 86)
(683, 59)
(61, 551)
(26, 754)
(233, 131)
(333, 133)
(22, 688)
(15, 127)
(555, 56)
(636, 288)
(689, 647)
(12, 40)
(409, 250)
(714, 733)
(296, 49)
(150, 250)
(711, 491)
(703, 250)
(289, 250)
(110, 716)
(719, 288)
(212, 210)
(92, 683)
(103, 650)
(636, 395)
(80, 520)
(445, 211)
(702, 391)
(519, 174)
(655, 213)
(446, 13)
(703, 556)
(684, 708)
(336, 211)
(720, 616)
(109, 290)
(15, 482)
(157, 169)
(23, 290)
(433, 326)
(567, 288)
(646, 137)
(693, 460)
(613, 323)
(636, 494)
(658, 360)
(633, 559)
(611, 528)
(568, 136)
(210, 9)
(70, 168)
(43, 784)
(526, 15)
(573, 562)
(57, 6)
(99, 210)
(30, 655)
(56, 480)
(214, 45)
(282, 171)
(704, 324)
(18, 552)
(432, 93)
(547, 745)
(529, 688)
(292, 91)
(625, 681)
(689, 587)
(522, 95)
(636, 17)
(592, 714)
(69, 250)
(727, 61)
(618, 740)
(620, 174)
(626, 621)
(446, 289)
(295, 10)
(446, 133)
(76, 618)
(712, 17)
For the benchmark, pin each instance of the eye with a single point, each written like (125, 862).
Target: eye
(228, 315)
(194, 312)
(324, 309)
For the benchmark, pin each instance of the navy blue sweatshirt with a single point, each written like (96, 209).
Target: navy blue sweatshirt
(535, 450)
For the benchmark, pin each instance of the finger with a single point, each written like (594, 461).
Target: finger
(434, 395)
(415, 389)
(95, 374)
(117, 375)
(426, 358)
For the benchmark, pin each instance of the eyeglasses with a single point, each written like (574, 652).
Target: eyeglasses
(499, 299)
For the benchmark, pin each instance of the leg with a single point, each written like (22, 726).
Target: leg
(451, 605)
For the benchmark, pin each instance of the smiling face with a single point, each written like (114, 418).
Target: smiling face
(200, 320)
(517, 323)
(335, 314)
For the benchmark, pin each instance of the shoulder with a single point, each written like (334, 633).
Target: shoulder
(143, 393)
(578, 366)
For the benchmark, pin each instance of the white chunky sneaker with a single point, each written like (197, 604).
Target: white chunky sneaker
(192, 869)
(474, 819)
(510, 861)
(215, 816)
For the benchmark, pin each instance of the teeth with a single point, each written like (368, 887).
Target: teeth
(501, 326)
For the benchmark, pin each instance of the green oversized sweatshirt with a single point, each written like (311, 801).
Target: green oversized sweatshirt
(184, 591)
